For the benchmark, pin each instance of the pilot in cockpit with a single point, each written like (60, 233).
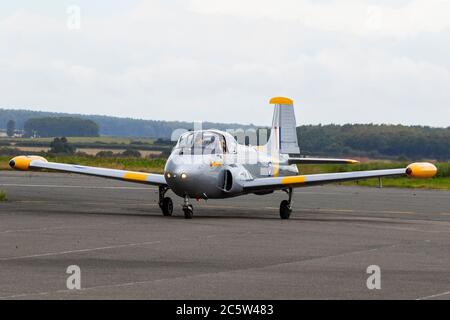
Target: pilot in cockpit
(201, 143)
(209, 144)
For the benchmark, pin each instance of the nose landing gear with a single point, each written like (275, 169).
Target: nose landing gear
(165, 203)
(286, 206)
(188, 209)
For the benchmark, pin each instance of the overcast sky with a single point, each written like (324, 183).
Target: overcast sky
(341, 61)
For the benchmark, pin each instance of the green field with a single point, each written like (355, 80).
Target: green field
(90, 140)
(443, 167)
(405, 182)
(135, 164)
(441, 181)
(2, 195)
(148, 147)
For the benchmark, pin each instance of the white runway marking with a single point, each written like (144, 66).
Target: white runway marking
(80, 250)
(68, 186)
(434, 296)
(315, 210)
(32, 230)
(353, 194)
(348, 194)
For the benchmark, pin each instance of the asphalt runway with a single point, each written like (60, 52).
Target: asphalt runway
(232, 249)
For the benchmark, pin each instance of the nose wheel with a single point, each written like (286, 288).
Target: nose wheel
(286, 206)
(165, 203)
(188, 209)
(188, 212)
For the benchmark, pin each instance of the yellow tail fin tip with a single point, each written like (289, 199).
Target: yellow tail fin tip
(281, 100)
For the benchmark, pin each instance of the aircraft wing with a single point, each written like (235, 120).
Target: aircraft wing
(419, 170)
(308, 160)
(35, 162)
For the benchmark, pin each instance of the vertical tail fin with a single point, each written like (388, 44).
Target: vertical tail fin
(283, 136)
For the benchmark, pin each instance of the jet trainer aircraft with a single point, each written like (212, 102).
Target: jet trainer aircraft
(211, 164)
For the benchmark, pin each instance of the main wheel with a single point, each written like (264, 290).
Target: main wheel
(188, 212)
(167, 206)
(285, 209)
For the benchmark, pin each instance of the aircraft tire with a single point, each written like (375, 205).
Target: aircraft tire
(285, 210)
(167, 206)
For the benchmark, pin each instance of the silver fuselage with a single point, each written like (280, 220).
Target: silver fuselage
(219, 175)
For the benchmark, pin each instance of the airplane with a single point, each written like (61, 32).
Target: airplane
(211, 164)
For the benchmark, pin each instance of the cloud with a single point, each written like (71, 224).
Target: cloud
(341, 61)
(353, 16)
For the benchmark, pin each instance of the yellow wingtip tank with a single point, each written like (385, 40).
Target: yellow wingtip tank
(23, 162)
(421, 170)
(281, 100)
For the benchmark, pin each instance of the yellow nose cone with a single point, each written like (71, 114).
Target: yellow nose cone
(23, 162)
(421, 170)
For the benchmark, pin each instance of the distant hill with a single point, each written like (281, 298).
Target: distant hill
(363, 140)
(115, 126)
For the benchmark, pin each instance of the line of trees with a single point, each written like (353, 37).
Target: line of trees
(114, 126)
(375, 141)
(366, 140)
(60, 126)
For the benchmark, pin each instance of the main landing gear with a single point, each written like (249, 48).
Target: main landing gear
(286, 206)
(165, 203)
(187, 208)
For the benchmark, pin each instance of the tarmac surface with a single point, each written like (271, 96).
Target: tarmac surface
(232, 249)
